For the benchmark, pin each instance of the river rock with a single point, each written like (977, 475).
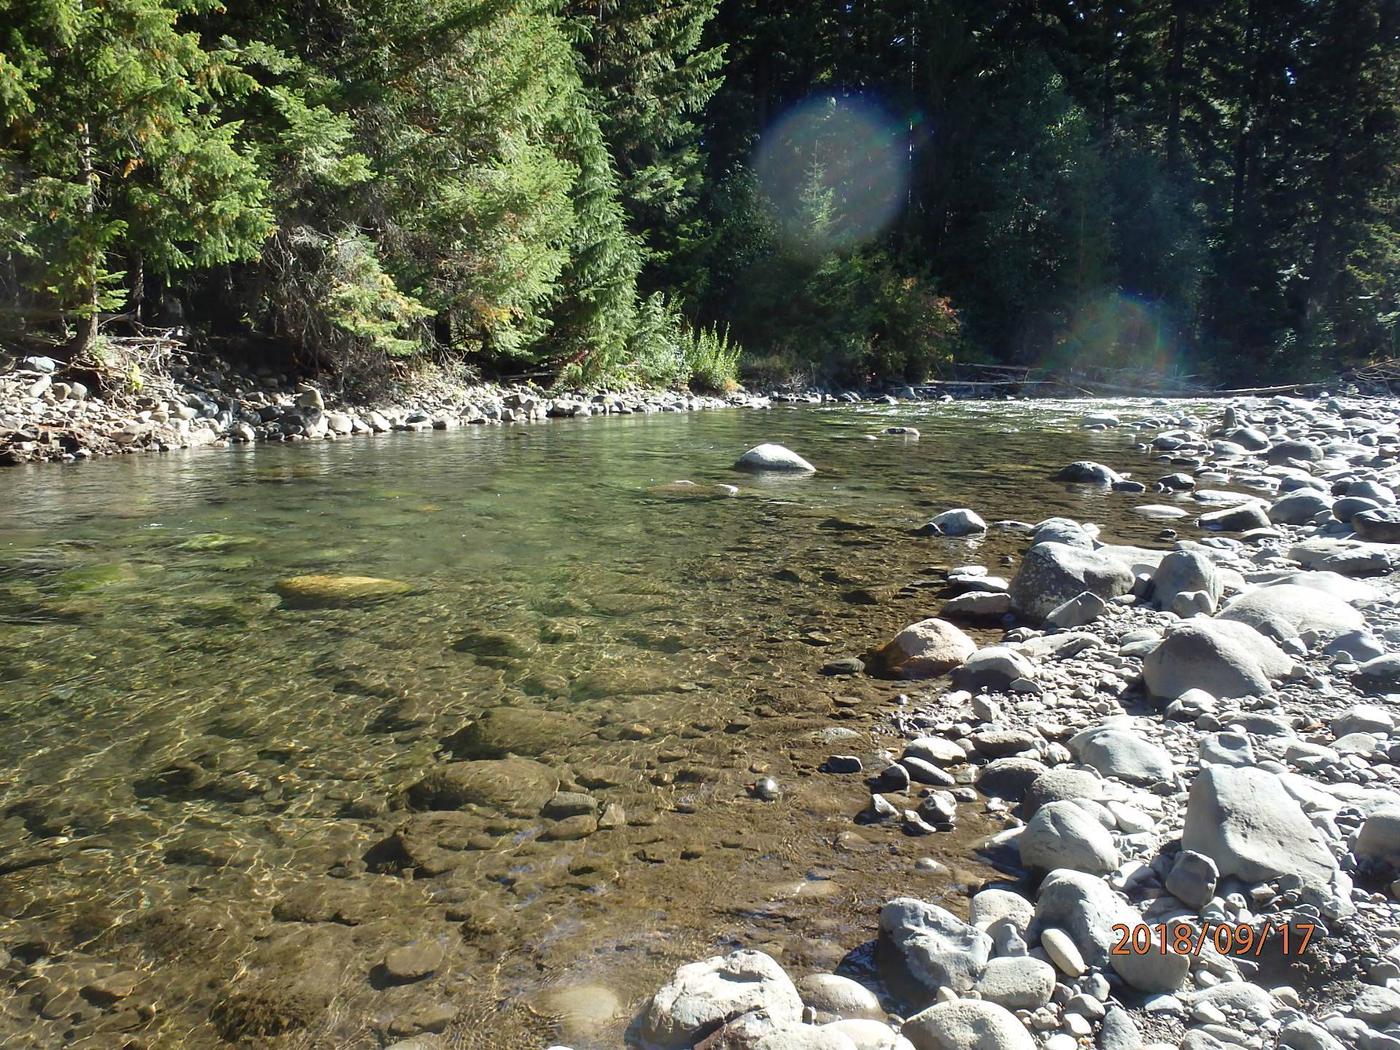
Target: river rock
(1283, 452)
(1009, 778)
(1380, 673)
(703, 996)
(1117, 750)
(1379, 838)
(993, 905)
(957, 522)
(516, 786)
(1062, 784)
(1086, 908)
(1185, 572)
(1154, 971)
(870, 1035)
(932, 945)
(1079, 611)
(925, 649)
(501, 731)
(967, 1024)
(1051, 574)
(935, 749)
(1348, 557)
(993, 668)
(1363, 718)
(1299, 508)
(1193, 879)
(975, 606)
(838, 998)
(770, 457)
(1284, 610)
(1242, 518)
(1250, 826)
(1086, 472)
(1225, 658)
(1020, 983)
(1378, 526)
(1065, 835)
(316, 590)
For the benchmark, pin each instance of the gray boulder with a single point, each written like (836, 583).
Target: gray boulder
(1242, 518)
(967, 1024)
(703, 996)
(1086, 908)
(1183, 572)
(1051, 574)
(1120, 752)
(1193, 879)
(1379, 838)
(1299, 508)
(1250, 826)
(1378, 526)
(1225, 658)
(1065, 835)
(994, 668)
(1287, 610)
(932, 946)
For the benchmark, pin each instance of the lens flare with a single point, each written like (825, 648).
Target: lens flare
(833, 172)
(1118, 330)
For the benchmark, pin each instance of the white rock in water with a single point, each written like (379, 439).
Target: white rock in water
(703, 995)
(1247, 822)
(957, 522)
(967, 1024)
(775, 458)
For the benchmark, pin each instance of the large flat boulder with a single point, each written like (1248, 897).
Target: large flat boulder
(1245, 821)
(1286, 610)
(1226, 658)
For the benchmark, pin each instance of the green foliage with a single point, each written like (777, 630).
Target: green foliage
(577, 191)
(116, 146)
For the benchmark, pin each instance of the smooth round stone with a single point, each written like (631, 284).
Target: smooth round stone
(1061, 949)
(838, 997)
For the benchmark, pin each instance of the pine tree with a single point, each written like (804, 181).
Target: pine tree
(117, 157)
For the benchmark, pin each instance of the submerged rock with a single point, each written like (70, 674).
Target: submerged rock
(509, 785)
(315, 590)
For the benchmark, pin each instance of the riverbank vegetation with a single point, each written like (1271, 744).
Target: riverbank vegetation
(625, 190)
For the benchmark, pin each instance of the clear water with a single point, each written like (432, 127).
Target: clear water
(199, 780)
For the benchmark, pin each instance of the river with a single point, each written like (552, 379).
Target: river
(206, 837)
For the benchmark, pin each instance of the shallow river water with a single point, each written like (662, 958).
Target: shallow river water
(209, 835)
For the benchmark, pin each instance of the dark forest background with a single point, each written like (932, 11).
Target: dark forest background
(617, 190)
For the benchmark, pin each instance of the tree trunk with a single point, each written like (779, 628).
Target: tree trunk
(86, 336)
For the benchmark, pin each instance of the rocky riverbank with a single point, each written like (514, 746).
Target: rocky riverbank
(46, 414)
(1194, 754)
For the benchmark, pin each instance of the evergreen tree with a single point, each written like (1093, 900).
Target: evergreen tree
(117, 154)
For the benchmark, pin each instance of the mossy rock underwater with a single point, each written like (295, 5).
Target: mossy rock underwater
(316, 590)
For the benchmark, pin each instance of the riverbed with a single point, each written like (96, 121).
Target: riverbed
(208, 786)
